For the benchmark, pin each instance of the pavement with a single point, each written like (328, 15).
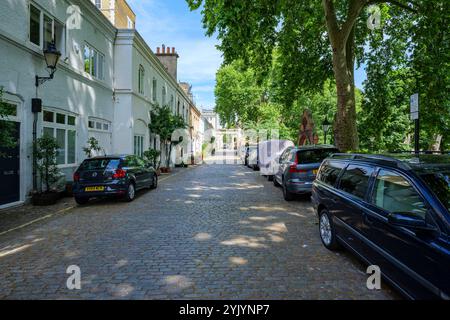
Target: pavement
(216, 231)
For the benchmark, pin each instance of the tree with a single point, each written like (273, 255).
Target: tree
(164, 124)
(316, 42)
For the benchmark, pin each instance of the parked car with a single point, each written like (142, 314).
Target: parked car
(269, 155)
(393, 212)
(112, 176)
(298, 167)
(253, 158)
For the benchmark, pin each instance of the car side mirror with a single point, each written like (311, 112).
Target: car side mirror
(409, 220)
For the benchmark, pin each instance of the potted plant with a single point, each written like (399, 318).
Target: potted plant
(92, 146)
(46, 151)
(152, 156)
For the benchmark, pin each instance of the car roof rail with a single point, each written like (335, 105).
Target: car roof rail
(374, 158)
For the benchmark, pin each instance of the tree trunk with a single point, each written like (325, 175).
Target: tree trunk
(345, 130)
(342, 39)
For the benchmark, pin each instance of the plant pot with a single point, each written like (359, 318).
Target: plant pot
(45, 199)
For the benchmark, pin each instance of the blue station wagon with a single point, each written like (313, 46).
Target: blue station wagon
(393, 212)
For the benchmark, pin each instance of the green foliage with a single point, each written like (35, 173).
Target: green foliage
(293, 43)
(46, 151)
(164, 123)
(152, 156)
(6, 127)
(92, 146)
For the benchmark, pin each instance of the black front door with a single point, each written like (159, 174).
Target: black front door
(10, 170)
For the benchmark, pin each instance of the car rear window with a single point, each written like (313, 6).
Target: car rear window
(314, 156)
(330, 171)
(100, 164)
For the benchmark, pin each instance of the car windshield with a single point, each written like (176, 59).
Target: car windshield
(100, 164)
(314, 156)
(438, 179)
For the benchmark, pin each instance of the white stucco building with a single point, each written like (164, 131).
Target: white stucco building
(105, 85)
(77, 103)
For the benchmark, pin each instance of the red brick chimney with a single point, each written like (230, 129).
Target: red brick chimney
(169, 58)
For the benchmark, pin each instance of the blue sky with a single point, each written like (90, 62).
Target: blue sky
(170, 22)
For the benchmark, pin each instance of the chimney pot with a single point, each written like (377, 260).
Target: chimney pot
(158, 50)
(163, 49)
(173, 50)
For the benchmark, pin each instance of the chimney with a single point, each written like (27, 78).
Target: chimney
(158, 50)
(169, 58)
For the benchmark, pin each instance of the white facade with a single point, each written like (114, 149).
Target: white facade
(101, 99)
(73, 96)
(141, 83)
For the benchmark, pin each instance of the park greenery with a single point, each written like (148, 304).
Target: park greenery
(283, 56)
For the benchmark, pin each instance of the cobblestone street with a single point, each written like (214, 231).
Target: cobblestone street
(209, 232)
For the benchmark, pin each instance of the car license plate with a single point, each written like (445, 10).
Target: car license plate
(315, 172)
(93, 189)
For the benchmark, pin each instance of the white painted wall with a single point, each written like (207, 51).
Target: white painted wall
(71, 91)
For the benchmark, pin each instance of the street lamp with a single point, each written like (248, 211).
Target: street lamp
(326, 127)
(51, 56)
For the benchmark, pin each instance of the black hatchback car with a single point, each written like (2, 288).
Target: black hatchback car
(112, 176)
(393, 212)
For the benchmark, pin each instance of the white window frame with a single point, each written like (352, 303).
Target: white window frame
(94, 53)
(141, 79)
(66, 127)
(98, 4)
(154, 89)
(139, 151)
(102, 123)
(42, 14)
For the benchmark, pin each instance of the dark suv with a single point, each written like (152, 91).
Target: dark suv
(298, 168)
(112, 176)
(393, 212)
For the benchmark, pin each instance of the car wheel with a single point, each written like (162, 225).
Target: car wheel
(327, 232)
(288, 196)
(270, 178)
(81, 201)
(154, 182)
(131, 192)
(275, 182)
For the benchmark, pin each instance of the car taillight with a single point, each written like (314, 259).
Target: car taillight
(120, 173)
(76, 177)
(293, 169)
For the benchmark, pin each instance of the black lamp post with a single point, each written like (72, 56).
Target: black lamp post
(326, 127)
(51, 56)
